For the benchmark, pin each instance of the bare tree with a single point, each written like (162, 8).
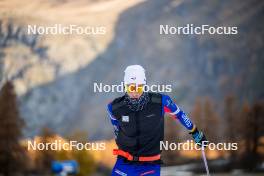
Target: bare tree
(45, 157)
(251, 131)
(206, 118)
(197, 113)
(230, 111)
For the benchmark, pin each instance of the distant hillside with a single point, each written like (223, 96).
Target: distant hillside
(55, 74)
(33, 61)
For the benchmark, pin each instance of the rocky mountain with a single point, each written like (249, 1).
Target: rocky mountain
(54, 75)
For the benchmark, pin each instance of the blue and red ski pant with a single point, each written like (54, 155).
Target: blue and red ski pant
(124, 168)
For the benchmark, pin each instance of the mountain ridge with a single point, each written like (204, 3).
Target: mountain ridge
(195, 65)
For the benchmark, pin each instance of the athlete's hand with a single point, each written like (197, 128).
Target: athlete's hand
(199, 137)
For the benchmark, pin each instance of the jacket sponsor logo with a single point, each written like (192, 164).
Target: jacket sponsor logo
(186, 120)
(125, 118)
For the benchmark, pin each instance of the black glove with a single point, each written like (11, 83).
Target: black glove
(199, 137)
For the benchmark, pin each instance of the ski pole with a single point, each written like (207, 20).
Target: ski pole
(205, 162)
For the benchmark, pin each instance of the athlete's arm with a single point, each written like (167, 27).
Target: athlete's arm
(170, 107)
(114, 121)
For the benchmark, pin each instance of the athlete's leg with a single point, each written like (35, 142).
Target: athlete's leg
(122, 168)
(148, 169)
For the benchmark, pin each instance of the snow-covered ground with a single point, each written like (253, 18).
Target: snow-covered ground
(184, 170)
(174, 171)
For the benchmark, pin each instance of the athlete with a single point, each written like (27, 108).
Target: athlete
(138, 120)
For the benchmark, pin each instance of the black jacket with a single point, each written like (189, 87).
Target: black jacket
(141, 131)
